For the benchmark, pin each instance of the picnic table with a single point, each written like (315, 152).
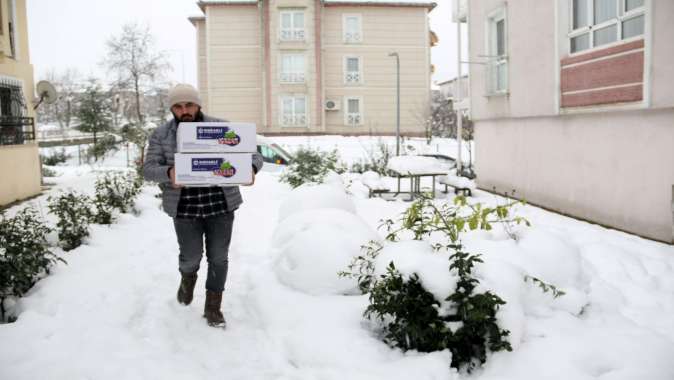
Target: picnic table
(415, 168)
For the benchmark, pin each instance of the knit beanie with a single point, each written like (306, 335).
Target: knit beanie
(184, 92)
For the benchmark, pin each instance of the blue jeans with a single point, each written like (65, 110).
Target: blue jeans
(217, 231)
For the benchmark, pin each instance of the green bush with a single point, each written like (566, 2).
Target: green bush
(116, 190)
(56, 157)
(408, 314)
(74, 215)
(47, 172)
(310, 166)
(24, 254)
(104, 146)
(376, 161)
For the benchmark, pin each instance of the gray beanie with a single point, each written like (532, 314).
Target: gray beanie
(183, 92)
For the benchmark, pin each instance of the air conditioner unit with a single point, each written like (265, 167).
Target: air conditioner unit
(331, 105)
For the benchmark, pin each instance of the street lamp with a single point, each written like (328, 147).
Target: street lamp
(395, 54)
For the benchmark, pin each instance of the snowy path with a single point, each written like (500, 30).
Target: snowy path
(111, 312)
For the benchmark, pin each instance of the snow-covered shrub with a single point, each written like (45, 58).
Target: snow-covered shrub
(105, 145)
(376, 161)
(47, 172)
(74, 214)
(56, 157)
(310, 166)
(118, 190)
(24, 254)
(412, 310)
(312, 245)
(310, 197)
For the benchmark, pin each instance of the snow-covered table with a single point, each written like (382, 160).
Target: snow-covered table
(415, 168)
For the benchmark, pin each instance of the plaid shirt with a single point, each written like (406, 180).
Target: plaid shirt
(201, 202)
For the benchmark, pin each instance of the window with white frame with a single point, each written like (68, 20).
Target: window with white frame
(352, 27)
(292, 25)
(497, 51)
(293, 111)
(353, 110)
(292, 68)
(599, 22)
(352, 70)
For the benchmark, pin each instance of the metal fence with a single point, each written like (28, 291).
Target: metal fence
(13, 131)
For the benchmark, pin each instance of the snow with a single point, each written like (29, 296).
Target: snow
(111, 313)
(456, 181)
(415, 165)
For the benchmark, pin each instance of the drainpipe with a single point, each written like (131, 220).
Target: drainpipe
(459, 116)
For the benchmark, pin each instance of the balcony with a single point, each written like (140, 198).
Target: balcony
(13, 131)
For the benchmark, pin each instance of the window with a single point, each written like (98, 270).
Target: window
(353, 110)
(498, 53)
(293, 110)
(352, 70)
(599, 22)
(292, 26)
(292, 68)
(352, 29)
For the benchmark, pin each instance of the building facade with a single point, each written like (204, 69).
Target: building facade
(573, 106)
(316, 66)
(19, 155)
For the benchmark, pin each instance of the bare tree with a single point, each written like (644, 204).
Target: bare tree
(137, 64)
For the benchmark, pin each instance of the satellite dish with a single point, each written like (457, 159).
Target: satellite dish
(46, 93)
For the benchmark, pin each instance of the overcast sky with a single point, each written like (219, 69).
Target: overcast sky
(72, 33)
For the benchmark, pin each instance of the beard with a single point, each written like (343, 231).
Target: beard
(186, 117)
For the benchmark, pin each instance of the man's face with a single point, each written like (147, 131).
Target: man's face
(185, 111)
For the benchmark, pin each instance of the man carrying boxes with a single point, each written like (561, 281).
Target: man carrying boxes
(198, 162)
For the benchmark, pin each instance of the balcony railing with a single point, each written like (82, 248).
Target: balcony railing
(12, 131)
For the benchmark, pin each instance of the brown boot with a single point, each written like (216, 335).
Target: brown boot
(186, 288)
(212, 311)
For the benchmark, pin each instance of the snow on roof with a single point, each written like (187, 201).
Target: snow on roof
(203, 3)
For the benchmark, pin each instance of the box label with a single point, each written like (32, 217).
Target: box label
(218, 166)
(223, 135)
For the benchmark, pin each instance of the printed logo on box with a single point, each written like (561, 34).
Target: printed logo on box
(224, 135)
(217, 166)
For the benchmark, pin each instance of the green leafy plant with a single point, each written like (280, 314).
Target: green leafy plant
(377, 161)
(545, 287)
(410, 316)
(25, 255)
(117, 190)
(310, 166)
(55, 158)
(103, 147)
(74, 215)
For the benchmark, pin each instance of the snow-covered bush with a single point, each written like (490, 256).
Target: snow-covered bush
(56, 157)
(310, 197)
(310, 166)
(312, 245)
(376, 161)
(412, 309)
(74, 215)
(117, 191)
(47, 172)
(24, 254)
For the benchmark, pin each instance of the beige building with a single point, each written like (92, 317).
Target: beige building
(574, 107)
(19, 156)
(316, 66)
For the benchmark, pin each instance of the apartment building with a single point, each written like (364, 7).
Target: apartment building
(19, 155)
(316, 66)
(573, 105)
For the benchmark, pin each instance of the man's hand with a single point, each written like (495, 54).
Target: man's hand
(172, 176)
(252, 181)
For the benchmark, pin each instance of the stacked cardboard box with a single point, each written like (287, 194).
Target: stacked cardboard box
(212, 153)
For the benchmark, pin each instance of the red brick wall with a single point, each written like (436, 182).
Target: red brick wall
(606, 76)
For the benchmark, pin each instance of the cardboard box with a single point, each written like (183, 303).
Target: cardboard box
(208, 169)
(221, 137)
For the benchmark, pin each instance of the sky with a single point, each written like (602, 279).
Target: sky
(72, 34)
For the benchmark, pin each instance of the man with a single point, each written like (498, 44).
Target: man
(197, 212)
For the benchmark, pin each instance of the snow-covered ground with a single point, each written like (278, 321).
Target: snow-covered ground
(111, 312)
